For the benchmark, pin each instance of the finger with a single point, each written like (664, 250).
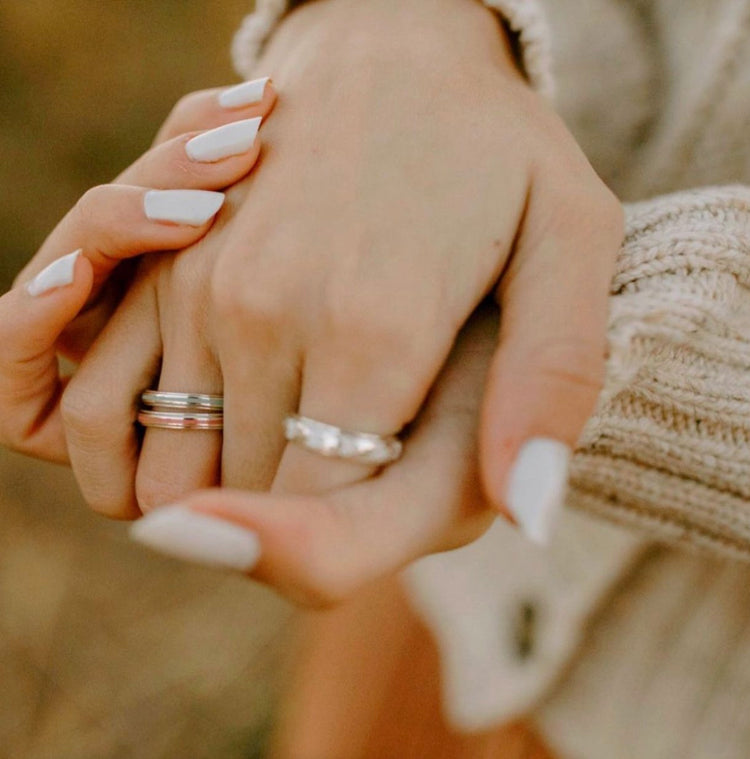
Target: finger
(207, 160)
(549, 366)
(260, 386)
(175, 462)
(361, 379)
(115, 222)
(100, 403)
(320, 549)
(214, 107)
(31, 320)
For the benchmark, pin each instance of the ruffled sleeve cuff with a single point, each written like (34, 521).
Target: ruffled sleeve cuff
(524, 19)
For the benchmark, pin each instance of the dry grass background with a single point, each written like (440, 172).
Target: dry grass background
(107, 651)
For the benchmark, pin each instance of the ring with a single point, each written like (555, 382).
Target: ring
(181, 411)
(192, 401)
(334, 442)
(181, 420)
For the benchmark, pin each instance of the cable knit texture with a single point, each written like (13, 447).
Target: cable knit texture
(668, 446)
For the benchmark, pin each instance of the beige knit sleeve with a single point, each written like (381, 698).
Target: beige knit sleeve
(667, 449)
(524, 19)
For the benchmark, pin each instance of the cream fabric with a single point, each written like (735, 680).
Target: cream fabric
(651, 657)
(506, 628)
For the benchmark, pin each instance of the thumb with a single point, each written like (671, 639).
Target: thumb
(549, 367)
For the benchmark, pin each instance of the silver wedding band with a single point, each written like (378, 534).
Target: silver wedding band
(334, 442)
(181, 411)
(188, 401)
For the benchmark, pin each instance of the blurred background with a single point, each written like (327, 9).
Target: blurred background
(107, 651)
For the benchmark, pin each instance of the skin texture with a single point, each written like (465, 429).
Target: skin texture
(110, 225)
(385, 208)
(377, 640)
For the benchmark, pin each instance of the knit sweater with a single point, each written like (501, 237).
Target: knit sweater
(634, 652)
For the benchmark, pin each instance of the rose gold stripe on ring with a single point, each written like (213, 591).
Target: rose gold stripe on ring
(180, 420)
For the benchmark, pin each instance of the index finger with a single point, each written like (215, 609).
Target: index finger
(221, 105)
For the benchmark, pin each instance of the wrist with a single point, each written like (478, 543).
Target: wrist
(419, 29)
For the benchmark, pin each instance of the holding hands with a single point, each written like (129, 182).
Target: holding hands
(342, 281)
(166, 200)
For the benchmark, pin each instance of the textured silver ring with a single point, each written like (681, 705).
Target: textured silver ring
(181, 420)
(190, 401)
(335, 442)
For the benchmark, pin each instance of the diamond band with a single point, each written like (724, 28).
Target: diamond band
(334, 442)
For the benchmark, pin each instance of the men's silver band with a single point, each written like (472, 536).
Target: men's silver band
(180, 420)
(191, 401)
(334, 442)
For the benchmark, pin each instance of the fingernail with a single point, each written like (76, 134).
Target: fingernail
(241, 95)
(224, 141)
(191, 207)
(58, 274)
(184, 534)
(536, 487)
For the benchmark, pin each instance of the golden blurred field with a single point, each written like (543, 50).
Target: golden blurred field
(107, 651)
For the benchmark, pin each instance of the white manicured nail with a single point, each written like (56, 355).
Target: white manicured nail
(191, 207)
(241, 95)
(58, 274)
(184, 534)
(537, 486)
(224, 141)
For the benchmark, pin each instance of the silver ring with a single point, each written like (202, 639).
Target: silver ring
(180, 420)
(334, 442)
(191, 401)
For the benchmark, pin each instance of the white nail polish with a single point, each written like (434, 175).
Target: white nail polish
(184, 534)
(241, 95)
(191, 207)
(224, 141)
(537, 486)
(58, 274)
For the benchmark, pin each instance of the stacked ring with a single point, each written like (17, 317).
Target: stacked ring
(181, 411)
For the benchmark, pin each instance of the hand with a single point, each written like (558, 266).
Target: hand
(417, 172)
(42, 316)
(319, 549)
(165, 167)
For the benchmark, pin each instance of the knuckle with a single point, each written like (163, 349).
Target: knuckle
(185, 106)
(572, 362)
(85, 209)
(245, 300)
(83, 413)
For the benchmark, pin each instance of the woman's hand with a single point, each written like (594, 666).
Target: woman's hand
(319, 549)
(166, 166)
(418, 171)
(42, 316)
